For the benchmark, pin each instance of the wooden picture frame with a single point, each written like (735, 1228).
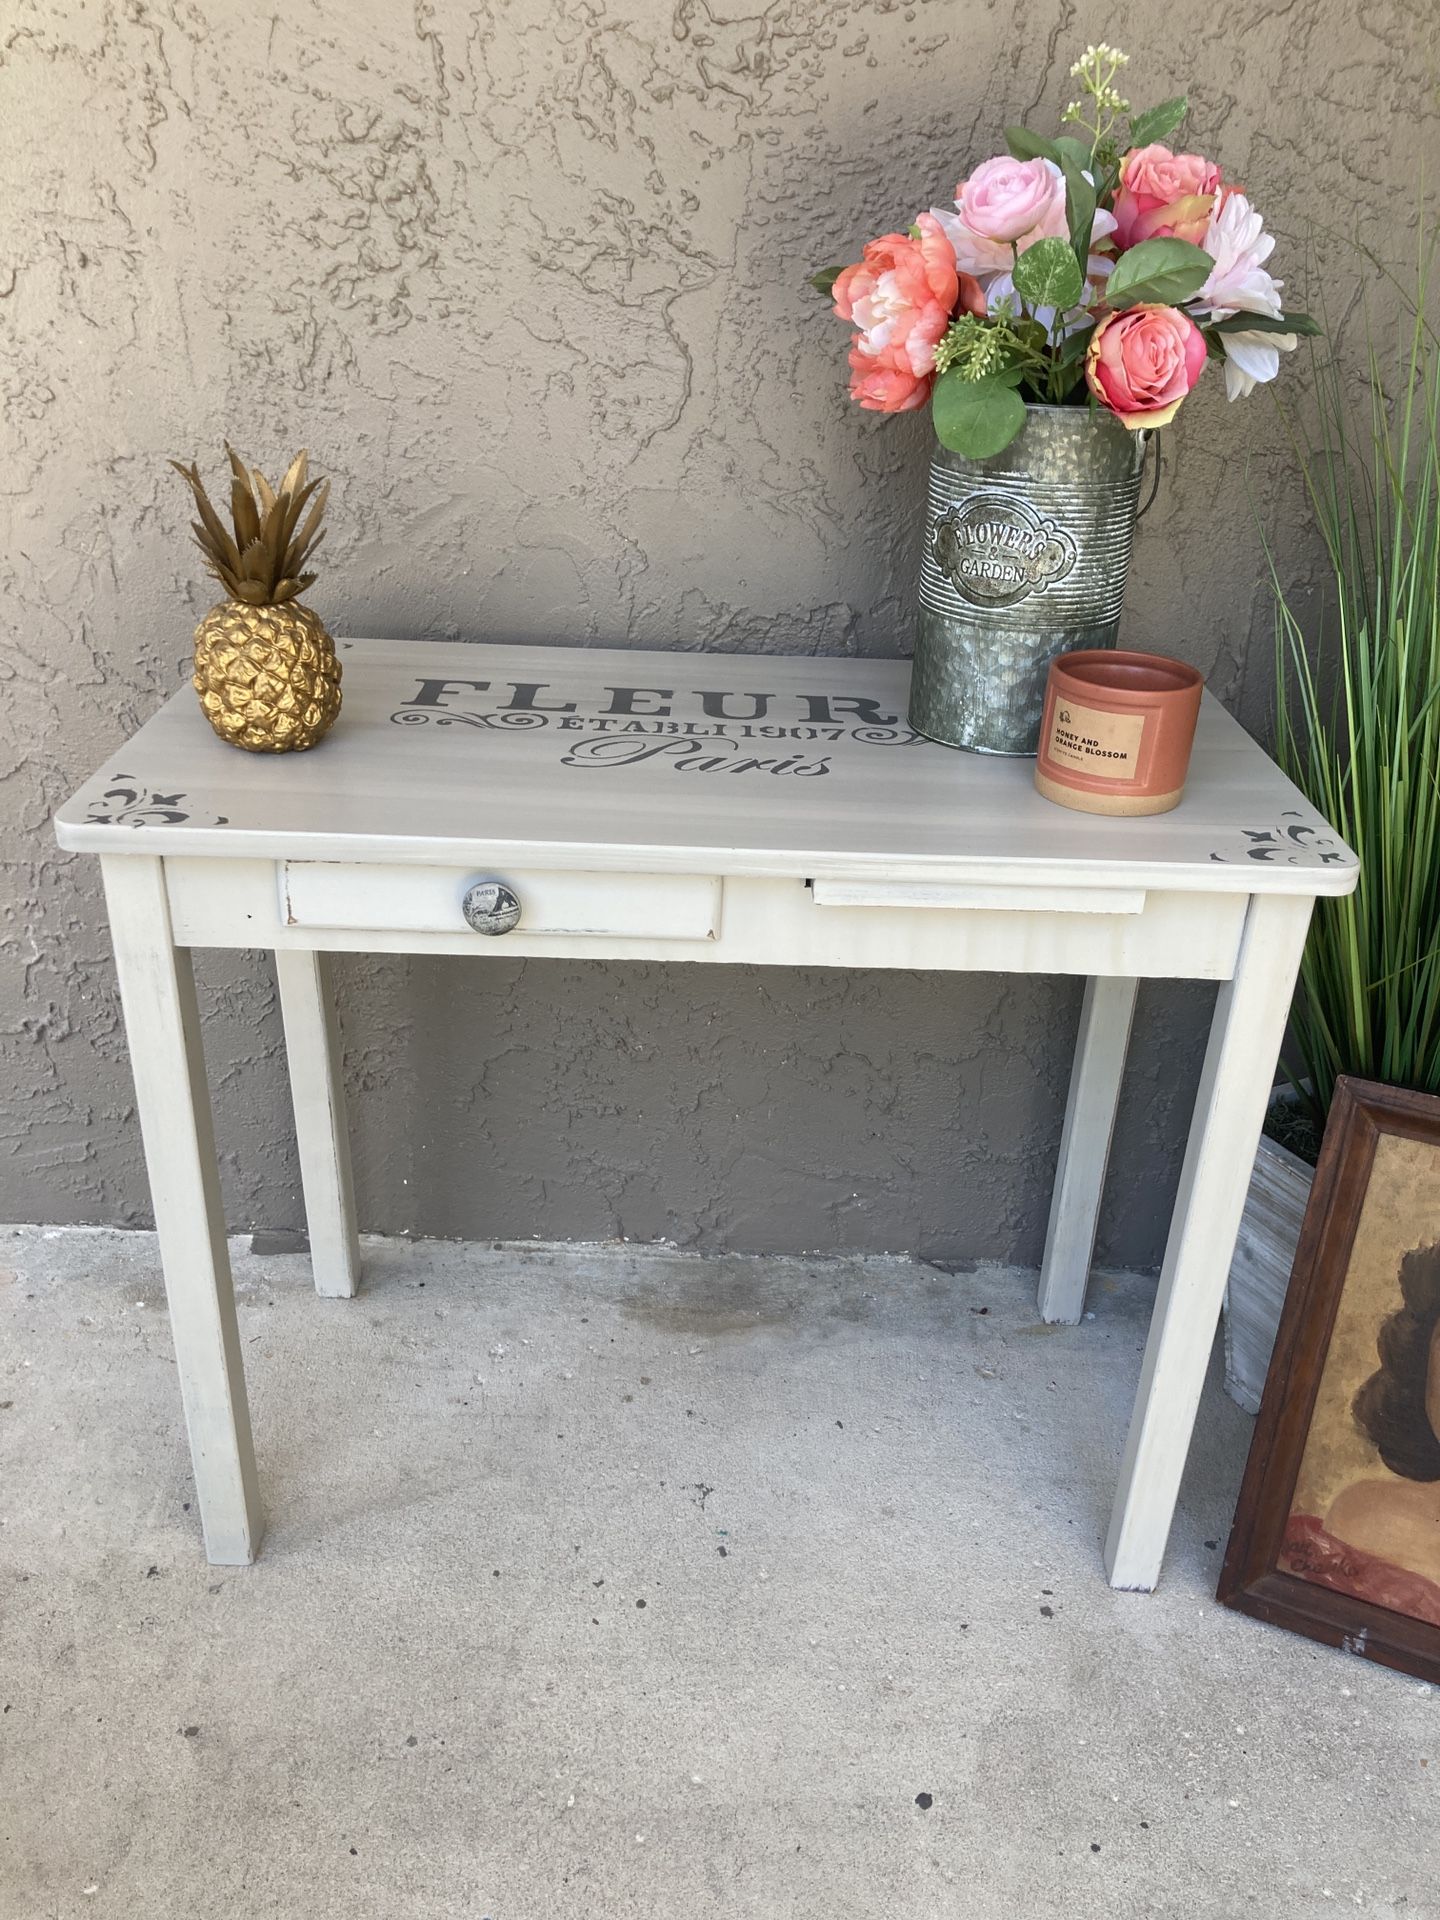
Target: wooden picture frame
(1374, 1211)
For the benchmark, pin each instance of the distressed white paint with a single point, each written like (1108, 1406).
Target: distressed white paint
(442, 787)
(317, 1089)
(897, 854)
(1105, 1017)
(163, 1027)
(235, 903)
(1235, 1081)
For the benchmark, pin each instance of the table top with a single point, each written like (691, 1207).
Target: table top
(580, 757)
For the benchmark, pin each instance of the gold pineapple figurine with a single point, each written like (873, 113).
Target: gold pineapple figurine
(265, 668)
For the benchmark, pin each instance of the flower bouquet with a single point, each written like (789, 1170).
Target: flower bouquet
(1067, 303)
(1098, 266)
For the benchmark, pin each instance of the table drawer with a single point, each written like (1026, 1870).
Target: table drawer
(411, 899)
(1010, 896)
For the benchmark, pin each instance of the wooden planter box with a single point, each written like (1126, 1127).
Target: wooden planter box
(1260, 1271)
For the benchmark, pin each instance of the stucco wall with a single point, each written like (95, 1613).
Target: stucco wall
(529, 280)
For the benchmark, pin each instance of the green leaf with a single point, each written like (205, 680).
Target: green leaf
(1077, 152)
(975, 417)
(1158, 272)
(1074, 346)
(1156, 122)
(1025, 145)
(1031, 334)
(824, 281)
(1070, 361)
(1047, 275)
(1300, 323)
(1079, 209)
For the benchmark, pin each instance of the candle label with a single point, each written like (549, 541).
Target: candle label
(1091, 741)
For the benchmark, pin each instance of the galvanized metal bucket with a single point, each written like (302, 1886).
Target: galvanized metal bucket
(1025, 557)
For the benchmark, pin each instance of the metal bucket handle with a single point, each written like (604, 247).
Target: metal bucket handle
(1151, 443)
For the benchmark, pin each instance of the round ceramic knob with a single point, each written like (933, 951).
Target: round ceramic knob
(490, 906)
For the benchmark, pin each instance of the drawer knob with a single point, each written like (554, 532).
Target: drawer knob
(490, 906)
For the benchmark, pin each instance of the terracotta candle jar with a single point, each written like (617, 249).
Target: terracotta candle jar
(1117, 731)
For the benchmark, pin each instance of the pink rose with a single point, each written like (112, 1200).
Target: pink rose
(1004, 207)
(902, 295)
(1141, 363)
(1164, 195)
(1007, 199)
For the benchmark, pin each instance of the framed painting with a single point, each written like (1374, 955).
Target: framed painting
(1337, 1532)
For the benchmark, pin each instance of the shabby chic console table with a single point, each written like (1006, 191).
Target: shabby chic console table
(698, 807)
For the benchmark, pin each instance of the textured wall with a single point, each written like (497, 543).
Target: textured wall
(528, 278)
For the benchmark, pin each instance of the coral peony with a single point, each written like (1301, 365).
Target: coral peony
(901, 296)
(1141, 363)
(1164, 195)
(881, 387)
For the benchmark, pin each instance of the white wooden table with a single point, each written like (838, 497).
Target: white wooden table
(704, 808)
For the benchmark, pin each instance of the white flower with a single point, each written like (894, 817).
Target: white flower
(1252, 359)
(1237, 242)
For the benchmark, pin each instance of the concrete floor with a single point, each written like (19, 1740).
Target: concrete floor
(616, 1583)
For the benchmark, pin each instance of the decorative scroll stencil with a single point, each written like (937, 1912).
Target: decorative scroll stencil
(127, 802)
(1293, 841)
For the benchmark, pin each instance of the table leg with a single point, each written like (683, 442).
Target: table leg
(1105, 1017)
(317, 1089)
(1245, 1037)
(157, 991)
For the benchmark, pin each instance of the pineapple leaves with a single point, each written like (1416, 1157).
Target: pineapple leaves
(262, 563)
(215, 544)
(297, 556)
(243, 510)
(291, 506)
(307, 539)
(295, 473)
(244, 513)
(256, 565)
